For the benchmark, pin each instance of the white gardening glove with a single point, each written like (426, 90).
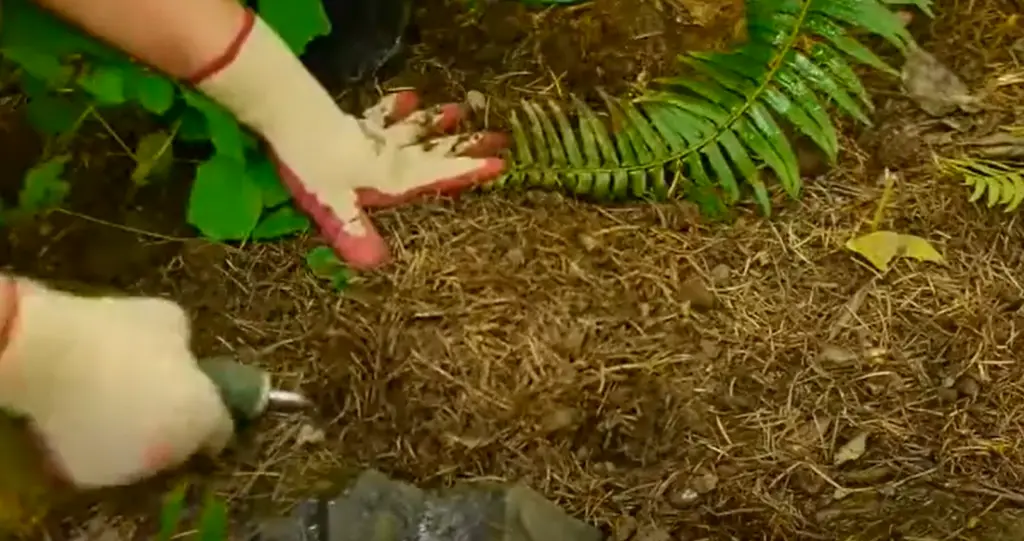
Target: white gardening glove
(108, 384)
(334, 164)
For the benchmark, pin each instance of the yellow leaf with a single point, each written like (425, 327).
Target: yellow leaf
(881, 247)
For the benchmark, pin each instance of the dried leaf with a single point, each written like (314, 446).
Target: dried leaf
(836, 354)
(309, 435)
(852, 450)
(935, 88)
(705, 483)
(881, 247)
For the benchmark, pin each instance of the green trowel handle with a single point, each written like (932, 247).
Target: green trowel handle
(245, 389)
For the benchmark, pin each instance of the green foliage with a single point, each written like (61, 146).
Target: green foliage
(717, 130)
(1001, 183)
(44, 186)
(213, 520)
(70, 79)
(324, 265)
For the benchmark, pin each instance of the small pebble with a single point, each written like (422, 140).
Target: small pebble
(946, 394)
(653, 533)
(624, 528)
(560, 419)
(720, 275)
(684, 498)
(705, 483)
(697, 292)
(476, 100)
(309, 435)
(968, 386)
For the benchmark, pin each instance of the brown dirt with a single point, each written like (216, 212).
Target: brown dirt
(509, 52)
(623, 359)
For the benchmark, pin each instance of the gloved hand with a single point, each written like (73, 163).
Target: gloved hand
(108, 384)
(334, 164)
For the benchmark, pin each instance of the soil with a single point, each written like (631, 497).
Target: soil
(509, 52)
(653, 373)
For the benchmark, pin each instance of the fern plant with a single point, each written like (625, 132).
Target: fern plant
(1001, 183)
(716, 129)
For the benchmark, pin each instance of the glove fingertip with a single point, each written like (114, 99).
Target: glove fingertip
(448, 117)
(486, 145)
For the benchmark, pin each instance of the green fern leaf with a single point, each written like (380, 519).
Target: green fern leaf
(1000, 183)
(827, 57)
(712, 132)
(871, 16)
(523, 154)
(828, 29)
(924, 5)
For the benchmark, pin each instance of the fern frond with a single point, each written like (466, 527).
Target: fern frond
(924, 5)
(718, 127)
(1001, 183)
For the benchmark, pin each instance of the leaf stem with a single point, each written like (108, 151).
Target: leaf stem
(113, 133)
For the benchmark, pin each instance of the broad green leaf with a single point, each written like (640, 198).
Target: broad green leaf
(264, 174)
(325, 265)
(223, 129)
(43, 187)
(154, 91)
(27, 26)
(192, 127)
(55, 115)
(105, 84)
(881, 247)
(224, 203)
(279, 223)
(40, 64)
(297, 21)
(154, 156)
(33, 86)
(322, 261)
(213, 521)
(170, 513)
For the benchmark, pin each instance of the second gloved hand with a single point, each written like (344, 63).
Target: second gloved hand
(108, 384)
(333, 163)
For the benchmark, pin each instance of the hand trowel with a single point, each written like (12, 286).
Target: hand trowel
(27, 489)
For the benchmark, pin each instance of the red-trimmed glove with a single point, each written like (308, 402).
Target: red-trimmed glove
(335, 164)
(108, 384)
